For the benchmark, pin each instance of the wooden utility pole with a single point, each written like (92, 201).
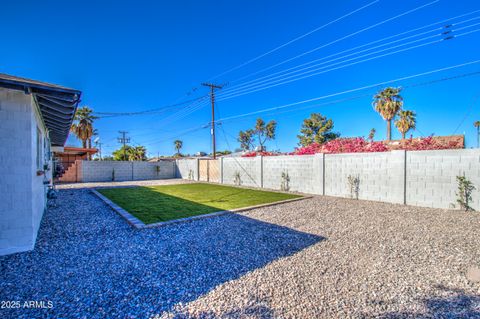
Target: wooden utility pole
(124, 140)
(212, 98)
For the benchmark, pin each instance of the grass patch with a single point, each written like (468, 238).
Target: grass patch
(162, 203)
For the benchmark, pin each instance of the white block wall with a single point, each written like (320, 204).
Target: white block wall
(107, 171)
(305, 173)
(381, 175)
(186, 168)
(419, 178)
(23, 199)
(431, 177)
(249, 169)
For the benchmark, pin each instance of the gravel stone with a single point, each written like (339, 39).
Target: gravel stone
(317, 258)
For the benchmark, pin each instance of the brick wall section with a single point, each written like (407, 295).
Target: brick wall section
(381, 175)
(431, 176)
(248, 168)
(104, 171)
(305, 173)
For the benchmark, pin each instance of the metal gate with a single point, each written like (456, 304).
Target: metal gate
(209, 170)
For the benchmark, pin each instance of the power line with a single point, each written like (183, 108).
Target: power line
(339, 39)
(293, 40)
(373, 42)
(447, 31)
(355, 89)
(263, 87)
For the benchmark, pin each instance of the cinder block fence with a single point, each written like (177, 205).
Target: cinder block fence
(106, 171)
(419, 178)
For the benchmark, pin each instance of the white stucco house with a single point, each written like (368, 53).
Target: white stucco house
(34, 118)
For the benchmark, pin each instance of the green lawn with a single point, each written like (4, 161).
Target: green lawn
(161, 203)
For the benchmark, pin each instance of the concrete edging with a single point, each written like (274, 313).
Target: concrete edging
(137, 223)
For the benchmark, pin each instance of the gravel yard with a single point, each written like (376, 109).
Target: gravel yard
(316, 258)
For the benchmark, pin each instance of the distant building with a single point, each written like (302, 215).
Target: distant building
(35, 119)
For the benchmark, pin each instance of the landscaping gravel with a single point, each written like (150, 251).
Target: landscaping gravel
(316, 258)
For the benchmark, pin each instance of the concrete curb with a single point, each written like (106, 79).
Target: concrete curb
(137, 223)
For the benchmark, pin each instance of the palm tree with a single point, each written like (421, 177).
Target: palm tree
(178, 145)
(82, 126)
(137, 153)
(477, 125)
(387, 103)
(406, 121)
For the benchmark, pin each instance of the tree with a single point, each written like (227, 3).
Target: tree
(406, 121)
(246, 140)
(133, 153)
(264, 132)
(316, 129)
(82, 125)
(371, 135)
(477, 125)
(178, 145)
(137, 153)
(387, 103)
(122, 153)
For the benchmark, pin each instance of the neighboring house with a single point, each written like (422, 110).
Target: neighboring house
(67, 167)
(35, 118)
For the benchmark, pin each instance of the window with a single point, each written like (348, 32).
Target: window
(39, 150)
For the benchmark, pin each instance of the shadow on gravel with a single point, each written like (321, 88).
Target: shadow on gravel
(458, 304)
(89, 263)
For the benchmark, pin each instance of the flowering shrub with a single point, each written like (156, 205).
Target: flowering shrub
(360, 144)
(264, 153)
(343, 145)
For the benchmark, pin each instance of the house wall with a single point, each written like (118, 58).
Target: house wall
(22, 191)
(107, 171)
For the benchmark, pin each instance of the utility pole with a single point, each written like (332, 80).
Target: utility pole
(99, 145)
(124, 140)
(212, 98)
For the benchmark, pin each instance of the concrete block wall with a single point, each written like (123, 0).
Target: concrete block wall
(106, 171)
(419, 178)
(431, 177)
(187, 168)
(305, 173)
(381, 175)
(250, 170)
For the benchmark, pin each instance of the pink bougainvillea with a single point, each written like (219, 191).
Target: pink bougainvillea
(253, 154)
(361, 145)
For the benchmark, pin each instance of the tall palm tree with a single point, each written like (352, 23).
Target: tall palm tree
(82, 125)
(387, 103)
(406, 121)
(477, 125)
(178, 145)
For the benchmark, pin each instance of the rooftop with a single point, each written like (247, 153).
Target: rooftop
(57, 103)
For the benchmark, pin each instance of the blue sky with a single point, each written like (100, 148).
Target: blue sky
(131, 56)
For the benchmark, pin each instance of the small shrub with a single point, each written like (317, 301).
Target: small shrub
(237, 179)
(464, 194)
(354, 186)
(285, 184)
(190, 175)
